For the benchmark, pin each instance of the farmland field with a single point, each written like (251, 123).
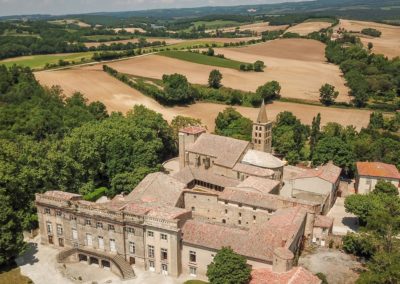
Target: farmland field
(388, 43)
(39, 61)
(297, 64)
(308, 27)
(257, 28)
(203, 59)
(135, 40)
(97, 85)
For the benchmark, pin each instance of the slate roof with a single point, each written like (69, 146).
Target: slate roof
(297, 275)
(260, 241)
(157, 187)
(261, 159)
(226, 150)
(328, 172)
(377, 169)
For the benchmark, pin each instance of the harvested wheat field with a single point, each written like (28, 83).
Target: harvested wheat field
(306, 28)
(130, 30)
(257, 28)
(388, 43)
(297, 64)
(96, 85)
(135, 40)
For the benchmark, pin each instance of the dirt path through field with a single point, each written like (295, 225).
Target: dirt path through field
(97, 85)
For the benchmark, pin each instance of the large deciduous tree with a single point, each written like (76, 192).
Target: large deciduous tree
(327, 94)
(228, 268)
(231, 123)
(269, 91)
(214, 80)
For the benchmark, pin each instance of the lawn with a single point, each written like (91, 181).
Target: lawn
(195, 282)
(39, 61)
(195, 44)
(203, 59)
(13, 276)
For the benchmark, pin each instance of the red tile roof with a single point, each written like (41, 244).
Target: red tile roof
(328, 172)
(63, 195)
(377, 169)
(193, 130)
(297, 275)
(257, 242)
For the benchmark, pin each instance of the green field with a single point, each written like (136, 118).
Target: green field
(107, 37)
(217, 24)
(194, 44)
(13, 276)
(328, 20)
(203, 59)
(39, 61)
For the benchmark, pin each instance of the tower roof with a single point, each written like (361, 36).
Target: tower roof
(262, 115)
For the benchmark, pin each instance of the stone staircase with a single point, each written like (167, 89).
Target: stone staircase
(126, 270)
(65, 254)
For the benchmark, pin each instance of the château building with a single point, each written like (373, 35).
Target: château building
(225, 193)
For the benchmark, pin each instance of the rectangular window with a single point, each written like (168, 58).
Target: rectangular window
(89, 240)
(58, 213)
(151, 265)
(150, 251)
(74, 234)
(164, 254)
(192, 256)
(101, 242)
(47, 210)
(73, 218)
(132, 247)
(163, 236)
(113, 248)
(49, 228)
(88, 222)
(150, 233)
(111, 228)
(59, 230)
(99, 225)
(130, 230)
(193, 271)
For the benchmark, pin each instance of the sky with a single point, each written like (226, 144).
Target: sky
(62, 7)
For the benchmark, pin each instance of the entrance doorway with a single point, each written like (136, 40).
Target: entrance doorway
(82, 257)
(106, 264)
(164, 269)
(132, 260)
(61, 242)
(51, 240)
(93, 260)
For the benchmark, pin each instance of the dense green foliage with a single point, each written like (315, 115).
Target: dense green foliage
(371, 32)
(214, 79)
(269, 91)
(327, 94)
(179, 122)
(228, 268)
(177, 89)
(373, 79)
(48, 141)
(289, 137)
(231, 123)
(379, 215)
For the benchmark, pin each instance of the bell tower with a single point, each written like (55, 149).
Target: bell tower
(262, 132)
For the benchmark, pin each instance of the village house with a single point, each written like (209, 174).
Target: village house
(369, 173)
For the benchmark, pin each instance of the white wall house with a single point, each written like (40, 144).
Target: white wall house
(369, 173)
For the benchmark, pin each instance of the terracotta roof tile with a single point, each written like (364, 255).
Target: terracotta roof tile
(297, 275)
(189, 174)
(260, 185)
(328, 172)
(323, 221)
(63, 195)
(193, 130)
(226, 151)
(253, 170)
(377, 169)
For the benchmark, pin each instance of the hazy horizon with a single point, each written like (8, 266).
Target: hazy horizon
(64, 7)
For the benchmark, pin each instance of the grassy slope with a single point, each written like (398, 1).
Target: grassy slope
(39, 61)
(14, 276)
(108, 37)
(203, 59)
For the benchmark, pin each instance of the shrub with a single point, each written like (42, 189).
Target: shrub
(371, 32)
